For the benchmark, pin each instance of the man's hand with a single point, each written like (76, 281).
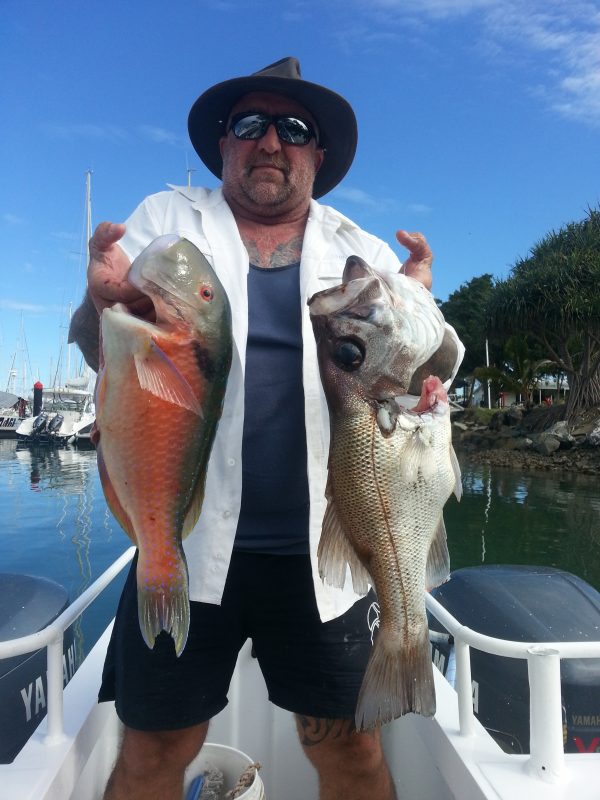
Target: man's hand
(108, 268)
(107, 285)
(418, 264)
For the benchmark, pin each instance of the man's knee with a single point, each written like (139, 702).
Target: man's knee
(326, 740)
(143, 751)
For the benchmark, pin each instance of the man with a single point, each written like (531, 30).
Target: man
(277, 141)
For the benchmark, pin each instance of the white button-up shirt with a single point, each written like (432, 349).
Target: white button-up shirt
(204, 217)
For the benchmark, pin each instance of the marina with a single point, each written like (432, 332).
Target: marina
(64, 412)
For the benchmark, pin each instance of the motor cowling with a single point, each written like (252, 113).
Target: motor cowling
(55, 423)
(39, 423)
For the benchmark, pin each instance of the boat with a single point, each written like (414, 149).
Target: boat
(452, 755)
(13, 410)
(82, 434)
(64, 411)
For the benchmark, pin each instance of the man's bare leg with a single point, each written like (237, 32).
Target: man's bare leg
(151, 764)
(350, 765)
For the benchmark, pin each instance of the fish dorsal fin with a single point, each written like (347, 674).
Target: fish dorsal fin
(336, 554)
(159, 375)
(438, 560)
(457, 475)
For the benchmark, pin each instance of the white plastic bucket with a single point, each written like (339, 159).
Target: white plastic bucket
(232, 763)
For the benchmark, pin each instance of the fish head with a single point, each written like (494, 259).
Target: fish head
(373, 332)
(183, 286)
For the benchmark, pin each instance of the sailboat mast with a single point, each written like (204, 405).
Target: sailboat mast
(88, 211)
(88, 234)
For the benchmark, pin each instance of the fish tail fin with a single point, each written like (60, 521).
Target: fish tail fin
(164, 605)
(398, 680)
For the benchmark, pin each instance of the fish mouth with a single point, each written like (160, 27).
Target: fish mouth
(143, 309)
(126, 317)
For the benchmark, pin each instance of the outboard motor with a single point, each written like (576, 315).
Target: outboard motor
(27, 604)
(524, 604)
(55, 423)
(39, 423)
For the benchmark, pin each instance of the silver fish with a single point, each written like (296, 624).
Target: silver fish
(391, 470)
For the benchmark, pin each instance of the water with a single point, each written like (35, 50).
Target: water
(55, 523)
(511, 517)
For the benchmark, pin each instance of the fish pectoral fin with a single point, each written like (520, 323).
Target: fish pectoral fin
(438, 559)
(457, 476)
(336, 554)
(159, 375)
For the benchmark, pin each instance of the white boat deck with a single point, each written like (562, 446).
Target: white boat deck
(450, 756)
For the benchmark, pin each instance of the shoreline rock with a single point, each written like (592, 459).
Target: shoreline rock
(529, 440)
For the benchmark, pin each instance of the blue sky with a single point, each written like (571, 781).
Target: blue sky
(479, 124)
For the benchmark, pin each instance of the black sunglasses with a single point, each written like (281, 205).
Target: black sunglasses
(291, 130)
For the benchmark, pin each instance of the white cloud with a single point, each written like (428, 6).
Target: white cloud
(12, 219)
(434, 8)
(559, 40)
(565, 36)
(18, 305)
(353, 195)
(419, 208)
(160, 135)
(86, 130)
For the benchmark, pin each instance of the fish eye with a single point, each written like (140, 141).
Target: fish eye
(348, 355)
(206, 292)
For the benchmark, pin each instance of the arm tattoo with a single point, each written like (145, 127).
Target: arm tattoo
(316, 730)
(84, 330)
(280, 256)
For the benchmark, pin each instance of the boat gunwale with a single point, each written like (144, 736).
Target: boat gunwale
(547, 761)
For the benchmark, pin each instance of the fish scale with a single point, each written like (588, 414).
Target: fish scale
(159, 397)
(391, 471)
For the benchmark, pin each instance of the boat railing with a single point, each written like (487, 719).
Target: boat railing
(546, 757)
(51, 637)
(546, 751)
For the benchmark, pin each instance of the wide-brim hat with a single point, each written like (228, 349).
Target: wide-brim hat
(334, 117)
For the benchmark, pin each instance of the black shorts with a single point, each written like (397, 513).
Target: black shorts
(310, 668)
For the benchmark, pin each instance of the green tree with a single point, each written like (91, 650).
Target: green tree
(466, 310)
(554, 296)
(520, 370)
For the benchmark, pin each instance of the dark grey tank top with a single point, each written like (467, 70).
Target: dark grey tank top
(275, 500)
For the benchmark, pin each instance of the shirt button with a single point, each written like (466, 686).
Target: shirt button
(226, 514)
(231, 462)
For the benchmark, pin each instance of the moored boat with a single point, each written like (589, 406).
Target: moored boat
(450, 756)
(82, 433)
(65, 410)
(13, 410)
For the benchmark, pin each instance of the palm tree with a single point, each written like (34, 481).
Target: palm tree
(553, 296)
(520, 370)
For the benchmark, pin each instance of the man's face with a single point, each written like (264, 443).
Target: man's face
(268, 176)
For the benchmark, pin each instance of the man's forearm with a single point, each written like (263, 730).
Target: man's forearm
(84, 330)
